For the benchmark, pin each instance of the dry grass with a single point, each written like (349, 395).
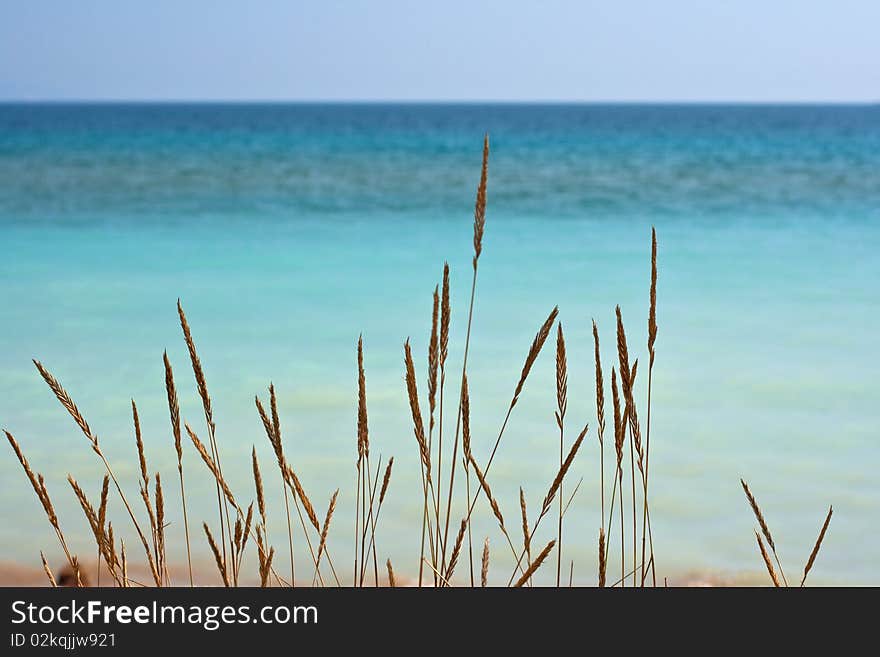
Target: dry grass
(441, 493)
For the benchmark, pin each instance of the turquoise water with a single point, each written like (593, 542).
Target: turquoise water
(289, 230)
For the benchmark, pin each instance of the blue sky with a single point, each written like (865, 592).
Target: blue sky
(627, 50)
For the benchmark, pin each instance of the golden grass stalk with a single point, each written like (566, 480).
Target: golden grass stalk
(102, 519)
(296, 487)
(48, 571)
(102, 506)
(258, 484)
(124, 565)
(600, 417)
(818, 545)
(627, 380)
(202, 386)
(245, 535)
(66, 401)
(765, 530)
(556, 485)
(391, 581)
(386, 479)
(278, 444)
(496, 509)
(442, 349)
(468, 455)
(42, 494)
(433, 360)
(484, 571)
(145, 485)
(97, 529)
(456, 550)
(326, 527)
(552, 491)
(602, 558)
(525, 526)
(619, 433)
(652, 337)
(367, 513)
(531, 357)
(306, 502)
(212, 467)
(424, 454)
(479, 228)
(561, 406)
(221, 566)
(418, 426)
(161, 561)
(361, 432)
(278, 448)
(534, 565)
(767, 561)
(174, 414)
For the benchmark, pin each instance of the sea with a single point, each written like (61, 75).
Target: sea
(289, 230)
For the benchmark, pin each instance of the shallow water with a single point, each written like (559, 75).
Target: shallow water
(289, 230)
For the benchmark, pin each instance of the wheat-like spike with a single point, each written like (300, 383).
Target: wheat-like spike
(124, 565)
(445, 314)
(142, 459)
(561, 376)
(480, 205)
(488, 491)
(92, 517)
(237, 535)
(111, 541)
(758, 515)
(249, 518)
(386, 480)
(618, 422)
(276, 419)
(307, 504)
(77, 573)
(326, 528)
(433, 358)
(418, 426)
(160, 524)
(68, 403)
(534, 565)
(484, 571)
(602, 558)
(627, 381)
(767, 561)
(173, 408)
(534, 350)
(258, 483)
(652, 313)
(817, 545)
(391, 581)
(600, 385)
(557, 481)
(456, 550)
(267, 424)
(527, 539)
(466, 420)
(203, 452)
(36, 482)
(102, 506)
(47, 570)
(217, 557)
(363, 431)
(199, 373)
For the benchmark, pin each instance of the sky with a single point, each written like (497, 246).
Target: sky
(507, 50)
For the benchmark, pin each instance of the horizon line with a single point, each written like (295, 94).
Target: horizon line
(425, 101)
